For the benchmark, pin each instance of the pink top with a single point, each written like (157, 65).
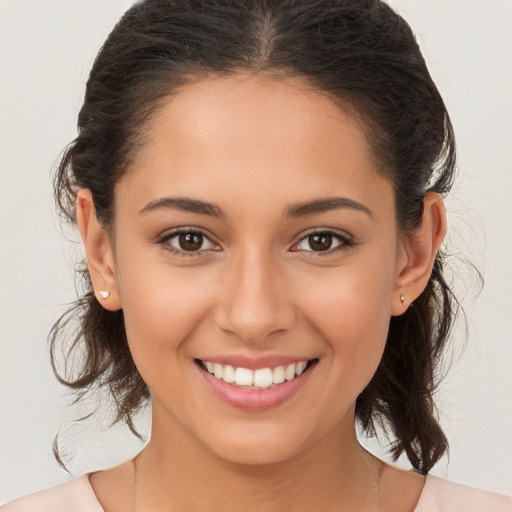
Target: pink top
(438, 495)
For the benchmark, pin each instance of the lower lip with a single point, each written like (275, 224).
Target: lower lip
(255, 399)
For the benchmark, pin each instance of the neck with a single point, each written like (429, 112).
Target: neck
(176, 472)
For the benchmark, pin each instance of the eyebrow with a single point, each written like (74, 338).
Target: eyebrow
(184, 204)
(324, 205)
(297, 210)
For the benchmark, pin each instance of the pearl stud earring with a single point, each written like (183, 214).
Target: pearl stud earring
(104, 294)
(402, 299)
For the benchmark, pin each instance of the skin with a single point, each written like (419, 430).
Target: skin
(253, 147)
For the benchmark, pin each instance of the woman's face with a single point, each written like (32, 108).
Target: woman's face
(254, 232)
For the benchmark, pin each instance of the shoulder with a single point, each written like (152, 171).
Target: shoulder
(74, 496)
(440, 495)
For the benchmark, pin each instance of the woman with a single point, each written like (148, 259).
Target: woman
(258, 186)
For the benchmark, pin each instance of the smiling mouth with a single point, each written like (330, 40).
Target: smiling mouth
(262, 378)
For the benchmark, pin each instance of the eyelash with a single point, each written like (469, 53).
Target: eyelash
(164, 240)
(345, 241)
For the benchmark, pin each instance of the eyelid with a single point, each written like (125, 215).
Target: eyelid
(170, 234)
(346, 241)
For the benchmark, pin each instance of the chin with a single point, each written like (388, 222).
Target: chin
(256, 447)
(251, 455)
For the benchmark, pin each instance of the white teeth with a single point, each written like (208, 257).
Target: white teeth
(262, 378)
(300, 368)
(218, 370)
(278, 375)
(289, 373)
(244, 377)
(229, 374)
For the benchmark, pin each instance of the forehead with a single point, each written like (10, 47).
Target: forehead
(252, 133)
(287, 109)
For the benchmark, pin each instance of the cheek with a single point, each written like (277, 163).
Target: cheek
(350, 309)
(162, 309)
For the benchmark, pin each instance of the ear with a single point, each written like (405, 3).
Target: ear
(98, 250)
(419, 251)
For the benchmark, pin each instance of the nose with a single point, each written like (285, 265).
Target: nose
(254, 302)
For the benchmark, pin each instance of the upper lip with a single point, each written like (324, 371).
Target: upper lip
(255, 363)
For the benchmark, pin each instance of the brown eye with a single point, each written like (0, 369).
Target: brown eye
(323, 241)
(190, 241)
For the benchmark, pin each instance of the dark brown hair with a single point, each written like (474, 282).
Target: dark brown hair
(361, 53)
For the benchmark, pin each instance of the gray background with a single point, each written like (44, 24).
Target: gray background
(46, 50)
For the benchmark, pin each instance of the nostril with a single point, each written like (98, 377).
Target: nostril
(254, 304)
